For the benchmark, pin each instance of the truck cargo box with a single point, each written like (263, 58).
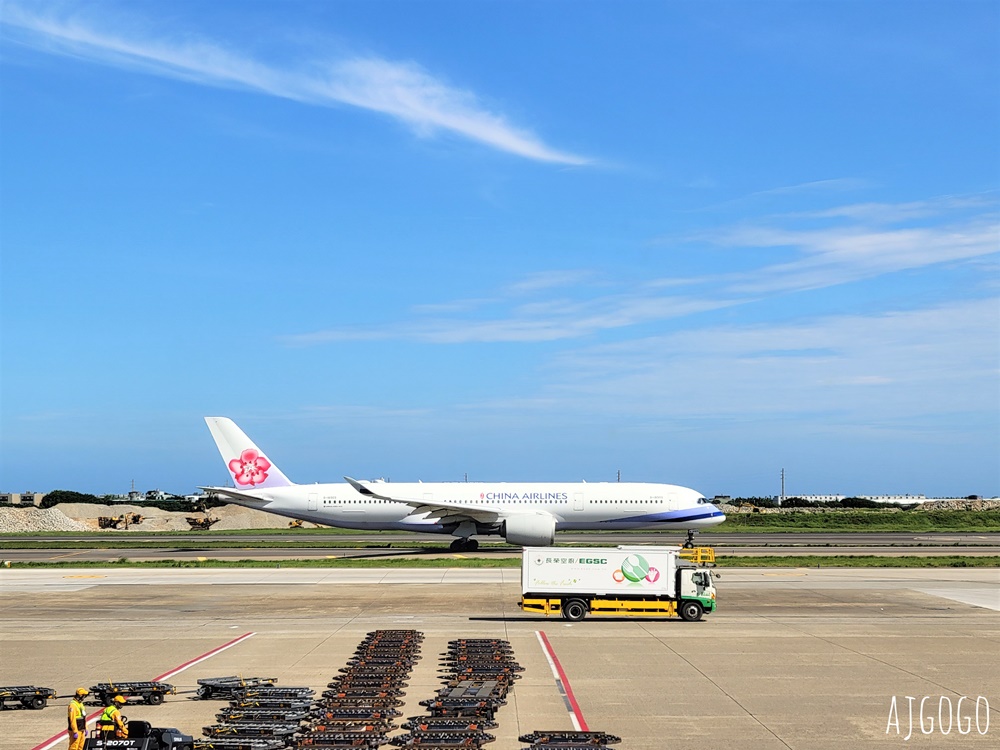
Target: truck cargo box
(620, 571)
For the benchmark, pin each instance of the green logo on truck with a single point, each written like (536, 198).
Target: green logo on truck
(635, 568)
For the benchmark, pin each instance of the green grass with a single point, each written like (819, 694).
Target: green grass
(860, 561)
(969, 521)
(770, 561)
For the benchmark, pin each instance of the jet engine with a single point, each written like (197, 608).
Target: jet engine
(530, 529)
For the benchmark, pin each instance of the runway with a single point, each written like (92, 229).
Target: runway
(794, 658)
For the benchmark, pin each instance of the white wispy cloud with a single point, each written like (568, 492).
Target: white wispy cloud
(833, 256)
(567, 304)
(939, 360)
(402, 90)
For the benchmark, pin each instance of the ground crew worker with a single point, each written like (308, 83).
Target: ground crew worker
(111, 724)
(77, 720)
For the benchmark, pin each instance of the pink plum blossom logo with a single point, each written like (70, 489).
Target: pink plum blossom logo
(250, 468)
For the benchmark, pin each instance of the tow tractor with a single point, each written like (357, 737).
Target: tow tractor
(141, 736)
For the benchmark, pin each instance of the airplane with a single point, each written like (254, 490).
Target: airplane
(525, 514)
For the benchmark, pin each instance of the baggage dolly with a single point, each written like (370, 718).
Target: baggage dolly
(28, 696)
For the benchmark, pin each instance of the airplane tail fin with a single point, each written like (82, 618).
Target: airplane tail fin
(247, 464)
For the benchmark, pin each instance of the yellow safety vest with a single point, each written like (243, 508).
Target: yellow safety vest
(110, 718)
(77, 716)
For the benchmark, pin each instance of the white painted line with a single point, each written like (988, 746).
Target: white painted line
(64, 735)
(562, 682)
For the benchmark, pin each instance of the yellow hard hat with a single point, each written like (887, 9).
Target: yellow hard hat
(80, 692)
(120, 699)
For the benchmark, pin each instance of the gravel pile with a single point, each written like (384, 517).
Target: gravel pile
(14, 520)
(83, 517)
(981, 504)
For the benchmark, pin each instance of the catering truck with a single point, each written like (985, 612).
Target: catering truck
(626, 580)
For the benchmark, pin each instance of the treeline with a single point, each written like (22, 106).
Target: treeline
(798, 502)
(178, 505)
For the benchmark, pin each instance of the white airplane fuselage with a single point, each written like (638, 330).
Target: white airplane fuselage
(524, 513)
(580, 506)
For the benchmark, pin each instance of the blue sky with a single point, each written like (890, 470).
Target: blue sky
(694, 242)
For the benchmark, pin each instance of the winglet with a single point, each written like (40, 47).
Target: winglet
(358, 486)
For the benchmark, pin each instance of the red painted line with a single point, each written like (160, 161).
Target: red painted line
(570, 698)
(64, 735)
(209, 655)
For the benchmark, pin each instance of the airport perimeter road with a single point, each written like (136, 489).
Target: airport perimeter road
(803, 659)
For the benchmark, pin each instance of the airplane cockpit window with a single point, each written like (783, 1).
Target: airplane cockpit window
(702, 501)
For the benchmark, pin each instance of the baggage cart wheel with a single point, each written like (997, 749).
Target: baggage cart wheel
(575, 610)
(36, 702)
(691, 611)
(154, 699)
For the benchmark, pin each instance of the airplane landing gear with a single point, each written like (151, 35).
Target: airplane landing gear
(464, 544)
(689, 544)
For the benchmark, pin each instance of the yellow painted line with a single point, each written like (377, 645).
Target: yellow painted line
(461, 557)
(202, 559)
(84, 576)
(69, 554)
(781, 575)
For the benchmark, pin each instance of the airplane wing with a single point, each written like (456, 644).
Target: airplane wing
(436, 510)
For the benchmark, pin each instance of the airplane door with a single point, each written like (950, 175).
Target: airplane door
(577, 501)
(313, 501)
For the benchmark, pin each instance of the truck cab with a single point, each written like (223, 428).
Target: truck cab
(696, 592)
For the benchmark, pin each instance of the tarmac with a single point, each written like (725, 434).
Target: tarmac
(795, 657)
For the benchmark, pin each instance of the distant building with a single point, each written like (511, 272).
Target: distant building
(21, 498)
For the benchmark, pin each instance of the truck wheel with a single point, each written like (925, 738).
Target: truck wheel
(36, 702)
(575, 610)
(691, 611)
(154, 699)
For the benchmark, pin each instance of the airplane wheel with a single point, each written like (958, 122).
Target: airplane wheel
(472, 545)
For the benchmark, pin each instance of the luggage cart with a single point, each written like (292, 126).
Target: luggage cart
(28, 696)
(151, 693)
(569, 739)
(279, 731)
(226, 688)
(260, 716)
(238, 743)
(342, 740)
(440, 724)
